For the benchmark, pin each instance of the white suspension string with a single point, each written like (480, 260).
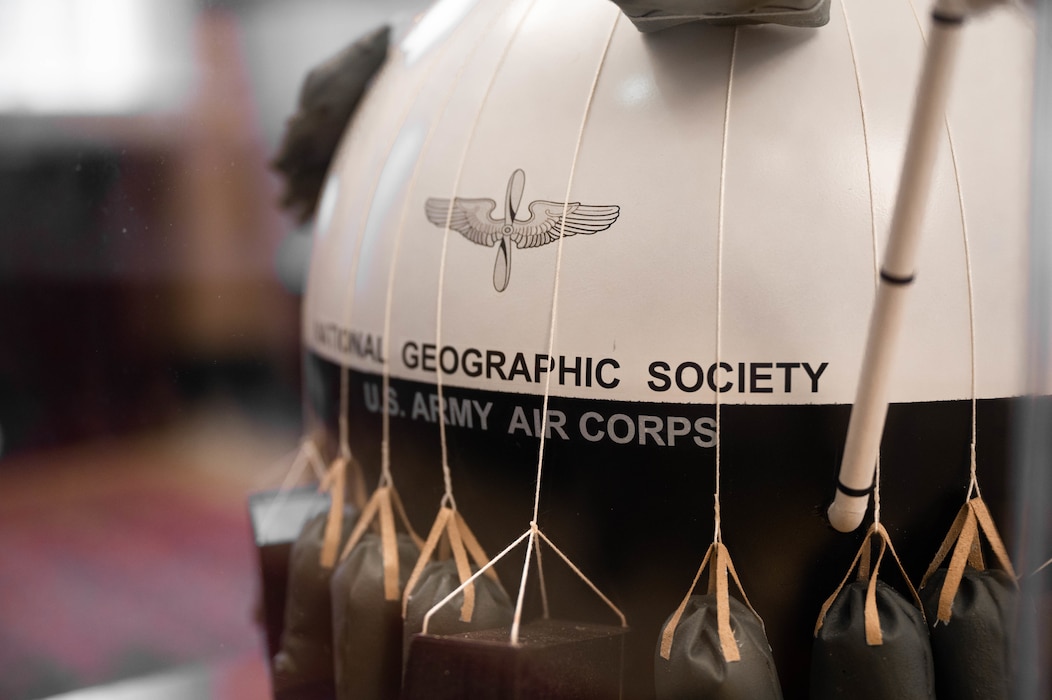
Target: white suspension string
(531, 542)
(876, 492)
(973, 480)
(482, 570)
(386, 478)
(345, 369)
(345, 441)
(344, 417)
(447, 497)
(717, 534)
(305, 455)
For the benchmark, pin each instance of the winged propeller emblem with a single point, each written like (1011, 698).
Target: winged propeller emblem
(546, 223)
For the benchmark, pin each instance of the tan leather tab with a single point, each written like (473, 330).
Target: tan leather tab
(669, 632)
(874, 636)
(389, 547)
(728, 644)
(738, 583)
(364, 520)
(358, 490)
(975, 557)
(460, 558)
(474, 548)
(843, 582)
(335, 481)
(955, 571)
(426, 551)
(905, 577)
(863, 562)
(989, 529)
(947, 544)
(397, 500)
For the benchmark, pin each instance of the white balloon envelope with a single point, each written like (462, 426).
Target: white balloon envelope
(723, 197)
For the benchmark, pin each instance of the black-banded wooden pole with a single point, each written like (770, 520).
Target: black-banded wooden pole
(857, 469)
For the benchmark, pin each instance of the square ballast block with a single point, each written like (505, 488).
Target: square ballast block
(553, 659)
(277, 518)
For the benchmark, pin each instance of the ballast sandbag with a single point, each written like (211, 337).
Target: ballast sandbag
(367, 628)
(870, 642)
(971, 609)
(973, 651)
(492, 608)
(696, 667)
(844, 666)
(305, 660)
(714, 645)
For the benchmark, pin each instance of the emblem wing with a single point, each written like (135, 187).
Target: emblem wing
(546, 222)
(470, 217)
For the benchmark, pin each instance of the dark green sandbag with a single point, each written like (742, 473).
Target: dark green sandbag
(367, 630)
(844, 666)
(696, 667)
(973, 652)
(305, 659)
(438, 580)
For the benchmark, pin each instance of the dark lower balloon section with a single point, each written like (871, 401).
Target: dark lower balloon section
(627, 493)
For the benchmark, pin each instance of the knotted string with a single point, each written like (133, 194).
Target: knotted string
(459, 537)
(448, 499)
(874, 635)
(973, 481)
(533, 531)
(386, 478)
(963, 538)
(721, 566)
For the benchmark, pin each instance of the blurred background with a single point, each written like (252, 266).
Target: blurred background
(149, 325)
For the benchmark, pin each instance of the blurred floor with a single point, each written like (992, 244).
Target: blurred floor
(126, 557)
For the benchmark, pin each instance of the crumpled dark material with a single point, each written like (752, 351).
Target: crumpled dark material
(304, 665)
(655, 15)
(367, 630)
(696, 667)
(844, 666)
(493, 608)
(973, 652)
(327, 100)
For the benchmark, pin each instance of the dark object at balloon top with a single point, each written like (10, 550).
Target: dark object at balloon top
(655, 15)
(328, 98)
